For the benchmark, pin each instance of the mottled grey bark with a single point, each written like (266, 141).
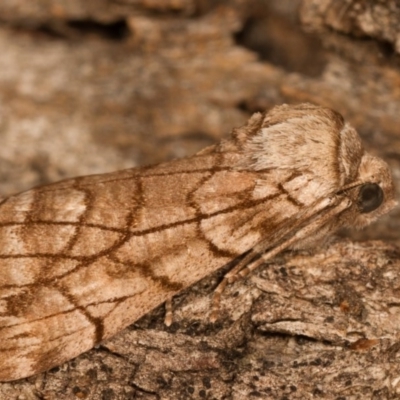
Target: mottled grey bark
(89, 87)
(305, 326)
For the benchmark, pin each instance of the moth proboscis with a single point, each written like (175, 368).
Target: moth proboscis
(83, 258)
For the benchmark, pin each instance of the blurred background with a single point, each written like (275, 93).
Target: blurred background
(95, 86)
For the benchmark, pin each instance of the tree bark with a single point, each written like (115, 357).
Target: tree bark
(90, 87)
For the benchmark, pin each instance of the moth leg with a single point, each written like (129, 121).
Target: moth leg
(168, 312)
(245, 266)
(241, 270)
(230, 277)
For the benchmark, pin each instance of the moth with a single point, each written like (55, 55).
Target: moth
(83, 258)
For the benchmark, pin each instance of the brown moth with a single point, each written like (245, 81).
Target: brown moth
(83, 258)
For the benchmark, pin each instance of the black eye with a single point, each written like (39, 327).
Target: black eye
(370, 197)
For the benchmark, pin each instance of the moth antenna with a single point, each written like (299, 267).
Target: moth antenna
(350, 186)
(243, 268)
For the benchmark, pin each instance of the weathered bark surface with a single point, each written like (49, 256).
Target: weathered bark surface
(95, 86)
(305, 326)
(379, 20)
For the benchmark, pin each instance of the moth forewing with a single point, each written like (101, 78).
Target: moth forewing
(83, 258)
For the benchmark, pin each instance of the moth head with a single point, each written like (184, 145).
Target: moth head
(322, 155)
(372, 193)
(314, 141)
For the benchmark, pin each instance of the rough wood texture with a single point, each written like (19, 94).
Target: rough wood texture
(78, 96)
(302, 327)
(365, 19)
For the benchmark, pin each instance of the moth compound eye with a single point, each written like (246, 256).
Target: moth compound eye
(370, 197)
